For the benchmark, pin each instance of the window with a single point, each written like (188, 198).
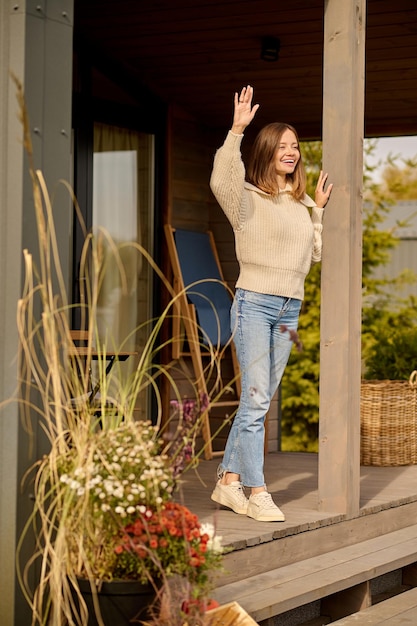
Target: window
(123, 207)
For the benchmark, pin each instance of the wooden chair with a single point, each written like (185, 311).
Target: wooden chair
(203, 310)
(78, 355)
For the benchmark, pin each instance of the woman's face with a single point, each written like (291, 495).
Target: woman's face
(287, 154)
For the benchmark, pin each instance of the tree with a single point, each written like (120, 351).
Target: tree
(400, 183)
(300, 385)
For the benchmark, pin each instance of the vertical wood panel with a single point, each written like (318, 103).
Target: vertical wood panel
(191, 164)
(343, 120)
(348, 601)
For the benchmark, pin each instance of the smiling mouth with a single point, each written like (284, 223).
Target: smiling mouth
(289, 161)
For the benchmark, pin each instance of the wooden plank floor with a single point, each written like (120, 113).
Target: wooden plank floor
(292, 478)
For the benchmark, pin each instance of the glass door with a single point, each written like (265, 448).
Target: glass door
(123, 212)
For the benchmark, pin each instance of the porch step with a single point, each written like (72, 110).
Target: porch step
(340, 578)
(402, 609)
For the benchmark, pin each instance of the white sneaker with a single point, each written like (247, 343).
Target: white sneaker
(262, 508)
(232, 496)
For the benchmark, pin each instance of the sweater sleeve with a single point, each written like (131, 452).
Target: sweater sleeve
(317, 219)
(228, 179)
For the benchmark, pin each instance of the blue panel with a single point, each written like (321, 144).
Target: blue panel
(211, 299)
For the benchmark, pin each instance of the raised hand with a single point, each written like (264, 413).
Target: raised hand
(244, 111)
(322, 195)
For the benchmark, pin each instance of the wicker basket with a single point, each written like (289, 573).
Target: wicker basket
(389, 422)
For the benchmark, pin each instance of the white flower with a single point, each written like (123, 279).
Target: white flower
(214, 544)
(93, 482)
(118, 492)
(108, 486)
(120, 511)
(207, 529)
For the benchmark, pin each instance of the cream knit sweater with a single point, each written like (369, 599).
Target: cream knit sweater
(276, 238)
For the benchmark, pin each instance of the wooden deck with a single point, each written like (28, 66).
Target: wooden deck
(292, 478)
(268, 570)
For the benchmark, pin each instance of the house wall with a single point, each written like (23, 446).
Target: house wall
(402, 219)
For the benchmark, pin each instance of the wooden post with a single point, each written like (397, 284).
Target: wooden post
(36, 45)
(340, 359)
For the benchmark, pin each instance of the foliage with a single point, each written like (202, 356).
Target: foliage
(109, 478)
(387, 321)
(391, 342)
(182, 450)
(400, 183)
(299, 385)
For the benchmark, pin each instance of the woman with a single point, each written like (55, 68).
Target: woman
(277, 231)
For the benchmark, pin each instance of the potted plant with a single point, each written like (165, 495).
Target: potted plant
(107, 516)
(117, 523)
(104, 506)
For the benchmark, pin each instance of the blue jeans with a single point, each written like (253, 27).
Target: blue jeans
(263, 351)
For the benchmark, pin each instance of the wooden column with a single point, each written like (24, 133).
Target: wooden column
(340, 359)
(36, 45)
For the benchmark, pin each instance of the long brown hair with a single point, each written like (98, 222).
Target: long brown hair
(261, 170)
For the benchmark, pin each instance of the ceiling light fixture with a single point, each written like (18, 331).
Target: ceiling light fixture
(270, 48)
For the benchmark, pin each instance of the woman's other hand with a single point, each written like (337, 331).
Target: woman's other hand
(244, 111)
(322, 195)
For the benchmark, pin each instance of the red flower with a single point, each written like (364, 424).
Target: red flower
(169, 538)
